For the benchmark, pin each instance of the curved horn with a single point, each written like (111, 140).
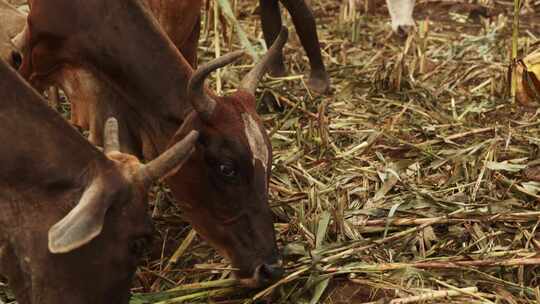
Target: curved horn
(202, 103)
(171, 160)
(111, 141)
(250, 81)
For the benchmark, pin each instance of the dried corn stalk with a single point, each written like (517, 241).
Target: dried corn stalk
(527, 74)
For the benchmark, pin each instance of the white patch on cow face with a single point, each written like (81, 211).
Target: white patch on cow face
(401, 12)
(256, 140)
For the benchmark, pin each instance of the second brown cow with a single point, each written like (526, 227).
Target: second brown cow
(223, 187)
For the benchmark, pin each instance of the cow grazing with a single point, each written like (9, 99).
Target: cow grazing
(73, 219)
(153, 91)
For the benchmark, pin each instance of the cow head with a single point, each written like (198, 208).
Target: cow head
(94, 249)
(230, 171)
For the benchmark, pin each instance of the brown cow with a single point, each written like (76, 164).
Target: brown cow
(49, 170)
(179, 18)
(224, 185)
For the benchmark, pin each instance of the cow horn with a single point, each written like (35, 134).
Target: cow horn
(111, 137)
(202, 103)
(250, 81)
(171, 160)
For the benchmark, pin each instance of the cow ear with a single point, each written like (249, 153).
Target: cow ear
(84, 222)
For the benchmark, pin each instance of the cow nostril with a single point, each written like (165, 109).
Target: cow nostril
(269, 273)
(16, 58)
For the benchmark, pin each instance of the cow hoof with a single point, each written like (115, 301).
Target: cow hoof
(319, 82)
(403, 31)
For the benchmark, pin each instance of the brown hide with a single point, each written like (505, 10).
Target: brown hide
(45, 166)
(180, 19)
(139, 48)
(47, 170)
(224, 188)
(92, 102)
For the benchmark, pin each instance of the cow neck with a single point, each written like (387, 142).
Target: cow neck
(38, 147)
(146, 133)
(133, 50)
(123, 42)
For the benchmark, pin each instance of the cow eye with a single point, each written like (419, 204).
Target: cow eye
(227, 170)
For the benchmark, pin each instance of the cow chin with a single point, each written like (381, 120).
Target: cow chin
(264, 275)
(253, 269)
(253, 282)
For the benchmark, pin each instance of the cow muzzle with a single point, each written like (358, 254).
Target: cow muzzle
(264, 275)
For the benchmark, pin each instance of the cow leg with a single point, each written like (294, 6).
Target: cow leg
(304, 22)
(305, 26)
(271, 25)
(401, 12)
